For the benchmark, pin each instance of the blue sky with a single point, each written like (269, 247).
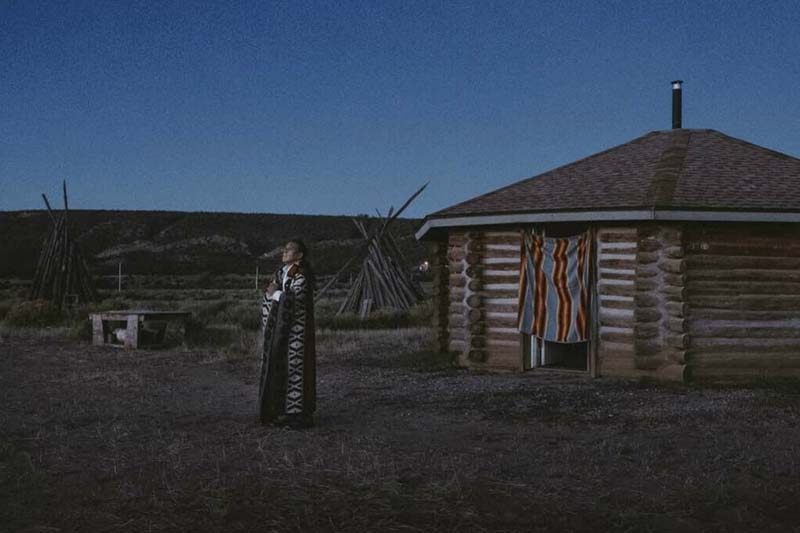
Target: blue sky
(344, 107)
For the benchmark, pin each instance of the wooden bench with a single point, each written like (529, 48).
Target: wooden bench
(126, 328)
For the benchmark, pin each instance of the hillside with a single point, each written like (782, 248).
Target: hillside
(170, 242)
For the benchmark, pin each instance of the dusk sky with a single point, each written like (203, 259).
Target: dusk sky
(344, 107)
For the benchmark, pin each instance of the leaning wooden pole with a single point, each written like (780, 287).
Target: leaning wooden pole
(49, 209)
(61, 270)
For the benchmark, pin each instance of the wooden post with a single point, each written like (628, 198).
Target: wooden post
(132, 332)
(441, 294)
(98, 336)
(256, 275)
(594, 305)
(119, 277)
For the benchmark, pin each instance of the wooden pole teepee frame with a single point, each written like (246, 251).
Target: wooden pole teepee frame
(62, 275)
(383, 281)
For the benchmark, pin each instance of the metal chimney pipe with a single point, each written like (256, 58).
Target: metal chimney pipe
(677, 105)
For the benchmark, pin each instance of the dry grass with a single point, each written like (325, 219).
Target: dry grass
(53, 332)
(379, 344)
(227, 320)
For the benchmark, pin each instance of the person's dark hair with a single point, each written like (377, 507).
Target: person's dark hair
(308, 271)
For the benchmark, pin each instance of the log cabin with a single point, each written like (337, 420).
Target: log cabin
(695, 262)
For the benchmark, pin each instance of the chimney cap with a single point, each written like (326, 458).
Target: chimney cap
(676, 84)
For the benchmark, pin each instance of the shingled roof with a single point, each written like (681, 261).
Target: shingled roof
(680, 170)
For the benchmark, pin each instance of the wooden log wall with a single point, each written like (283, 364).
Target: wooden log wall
(476, 345)
(743, 284)
(616, 274)
(484, 280)
(660, 327)
(456, 321)
(499, 298)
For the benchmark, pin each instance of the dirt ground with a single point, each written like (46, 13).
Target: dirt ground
(99, 439)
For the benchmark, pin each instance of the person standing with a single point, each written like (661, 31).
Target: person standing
(287, 385)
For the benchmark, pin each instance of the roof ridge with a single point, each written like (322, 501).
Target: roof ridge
(779, 155)
(668, 169)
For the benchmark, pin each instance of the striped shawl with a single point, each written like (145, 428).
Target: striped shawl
(553, 287)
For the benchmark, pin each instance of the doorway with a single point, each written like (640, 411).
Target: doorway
(566, 356)
(557, 355)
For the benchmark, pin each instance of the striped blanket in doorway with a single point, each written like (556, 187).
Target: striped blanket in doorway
(554, 287)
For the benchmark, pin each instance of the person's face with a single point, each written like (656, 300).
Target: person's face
(290, 253)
